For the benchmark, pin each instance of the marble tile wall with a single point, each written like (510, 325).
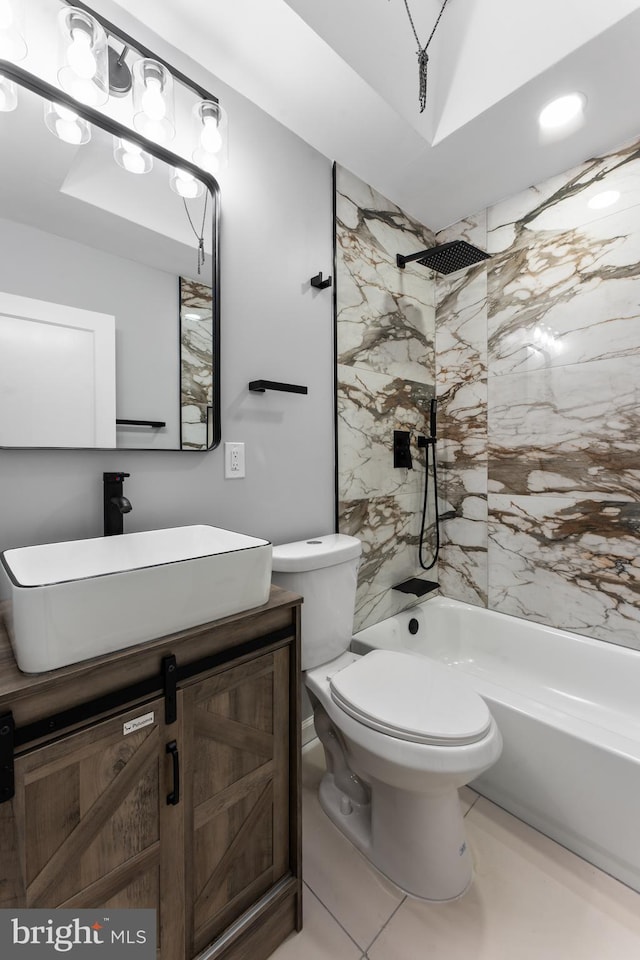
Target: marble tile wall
(461, 379)
(538, 372)
(196, 364)
(385, 364)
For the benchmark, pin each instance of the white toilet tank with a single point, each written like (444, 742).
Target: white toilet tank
(325, 571)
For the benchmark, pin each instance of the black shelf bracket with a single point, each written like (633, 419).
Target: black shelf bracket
(416, 586)
(259, 386)
(7, 777)
(319, 283)
(156, 424)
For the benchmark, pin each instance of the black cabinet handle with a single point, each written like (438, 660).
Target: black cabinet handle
(174, 797)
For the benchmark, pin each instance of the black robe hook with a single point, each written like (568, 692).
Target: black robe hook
(319, 283)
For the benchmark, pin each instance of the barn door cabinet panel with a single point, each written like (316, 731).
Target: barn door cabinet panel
(236, 748)
(187, 802)
(94, 828)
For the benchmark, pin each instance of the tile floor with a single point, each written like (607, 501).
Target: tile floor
(531, 899)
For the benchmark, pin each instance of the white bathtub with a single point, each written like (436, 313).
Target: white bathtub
(568, 708)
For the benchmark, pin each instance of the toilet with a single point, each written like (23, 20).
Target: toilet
(401, 734)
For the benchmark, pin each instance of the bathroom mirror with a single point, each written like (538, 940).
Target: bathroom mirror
(109, 316)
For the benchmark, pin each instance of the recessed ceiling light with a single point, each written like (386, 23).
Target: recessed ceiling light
(562, 111)
(605, 199)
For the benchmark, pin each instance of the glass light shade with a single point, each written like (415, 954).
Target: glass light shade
(66, 124)
(84, 70)
(210, 136)
(8, 95)
(131, 157)
(185, 184)
(153, 109)
(12, 43)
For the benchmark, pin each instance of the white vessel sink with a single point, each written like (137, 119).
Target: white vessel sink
(72, 601)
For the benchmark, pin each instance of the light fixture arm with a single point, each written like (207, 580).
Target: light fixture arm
(125, 51)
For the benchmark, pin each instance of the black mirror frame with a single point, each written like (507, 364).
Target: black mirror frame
(44, 89)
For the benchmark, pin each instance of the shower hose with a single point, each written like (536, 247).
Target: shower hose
(430, 444)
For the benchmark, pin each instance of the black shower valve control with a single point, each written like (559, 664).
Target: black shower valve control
(426, 441)
(402, 449)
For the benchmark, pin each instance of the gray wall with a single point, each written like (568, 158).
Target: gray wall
(276, 232)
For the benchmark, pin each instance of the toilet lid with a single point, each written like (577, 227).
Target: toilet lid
(412, 698)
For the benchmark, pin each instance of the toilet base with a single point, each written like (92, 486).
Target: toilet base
(352, 819)
(416, 840)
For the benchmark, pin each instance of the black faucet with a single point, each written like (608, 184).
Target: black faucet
(115, 505)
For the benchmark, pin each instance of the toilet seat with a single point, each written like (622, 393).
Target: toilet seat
(411, 698)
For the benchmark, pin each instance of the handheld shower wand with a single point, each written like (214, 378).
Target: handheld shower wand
(430, 444)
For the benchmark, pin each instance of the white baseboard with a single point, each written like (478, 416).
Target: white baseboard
(308, 731)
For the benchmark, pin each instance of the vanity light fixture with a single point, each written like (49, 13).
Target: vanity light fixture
(84, 73)
(66, 124)
(604, 199)
(562, 111)
(131, 157)
(8, 95)
(153, 113)
(185, 184)
(12, 43)
(97, 62)
(210, 122)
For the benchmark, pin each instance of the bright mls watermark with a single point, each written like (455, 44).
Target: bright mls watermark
(101, 934)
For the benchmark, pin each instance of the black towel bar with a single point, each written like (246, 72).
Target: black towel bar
(259, 386)
(142, 423)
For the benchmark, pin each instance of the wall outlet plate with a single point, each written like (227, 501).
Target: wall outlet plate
(233, 460)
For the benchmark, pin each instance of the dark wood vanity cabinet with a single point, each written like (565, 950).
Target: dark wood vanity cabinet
(92, 827)
(237, 799)
(190, 807)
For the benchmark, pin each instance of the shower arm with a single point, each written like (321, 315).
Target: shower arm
(403, 261)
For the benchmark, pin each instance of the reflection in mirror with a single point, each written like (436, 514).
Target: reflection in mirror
(196, 340)
(98, 236)
(39, 339)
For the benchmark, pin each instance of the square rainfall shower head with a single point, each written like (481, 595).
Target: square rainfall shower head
(447, 257)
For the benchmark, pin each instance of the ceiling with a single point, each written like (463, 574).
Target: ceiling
(342, 74)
